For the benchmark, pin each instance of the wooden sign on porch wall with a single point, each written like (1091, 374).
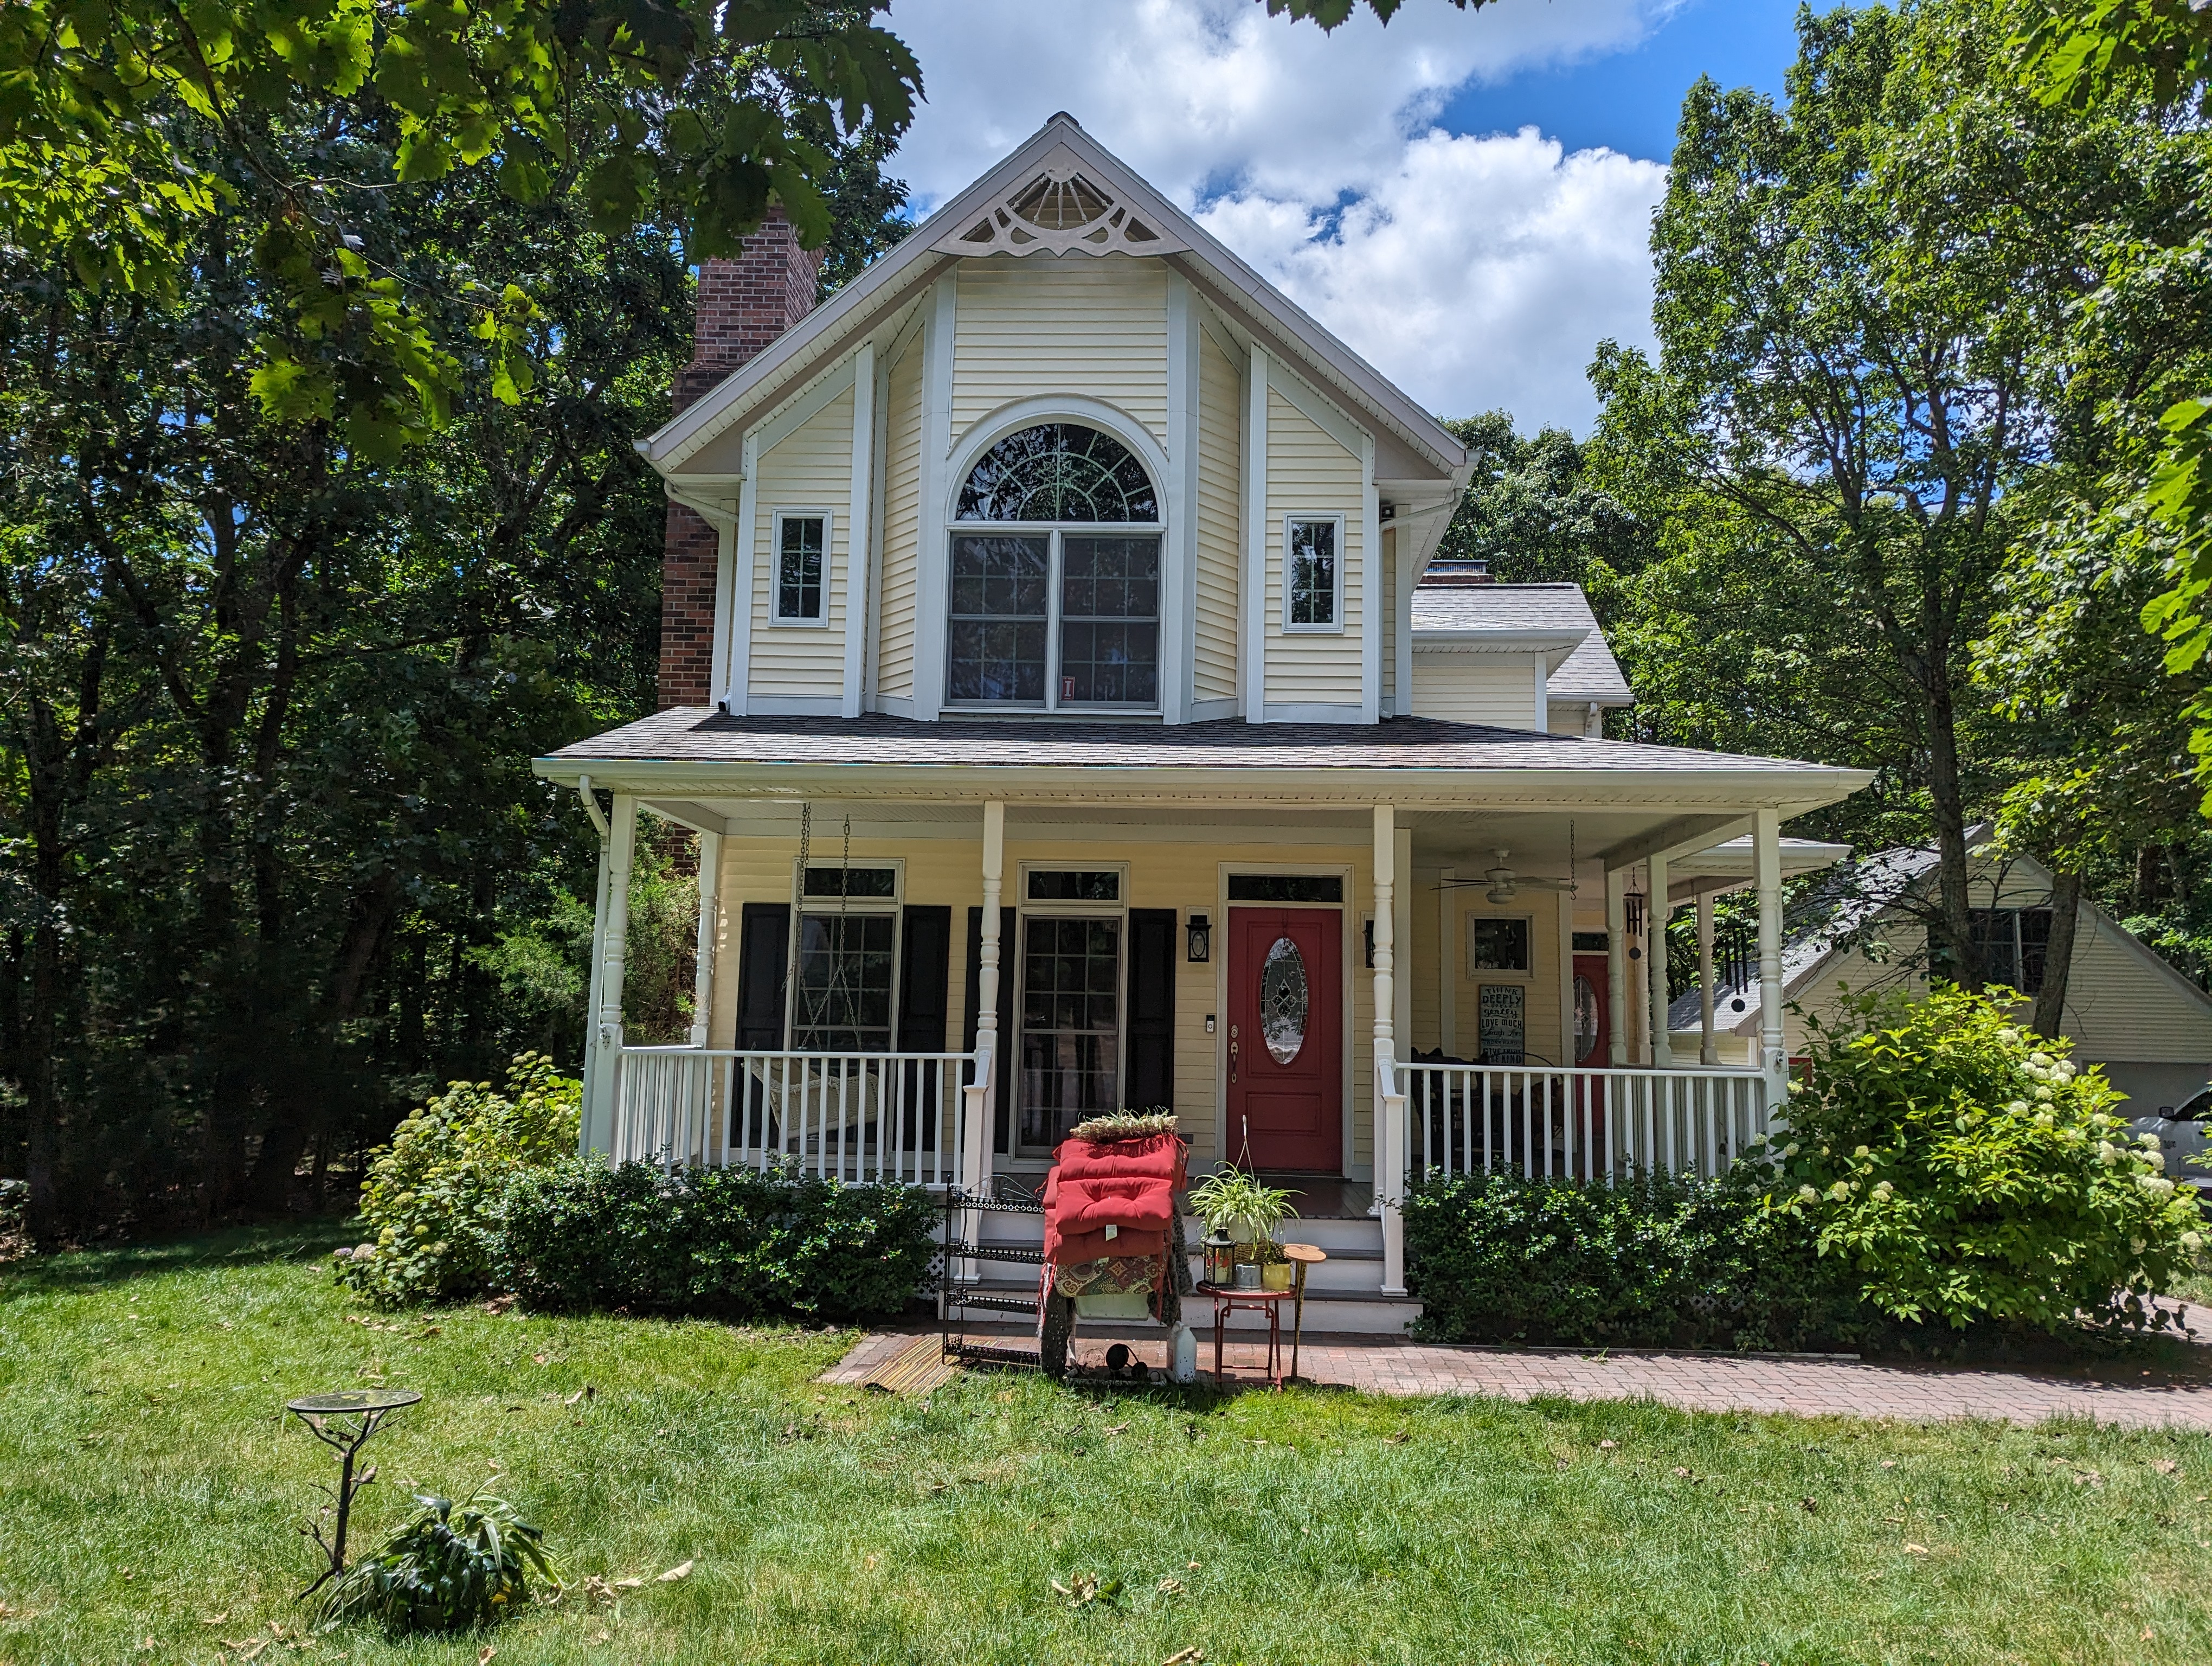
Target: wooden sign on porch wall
(1501, 1022)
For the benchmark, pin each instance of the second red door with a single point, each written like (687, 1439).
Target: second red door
(1286, 1049)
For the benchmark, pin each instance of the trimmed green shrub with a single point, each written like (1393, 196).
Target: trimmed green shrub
(722, 1243)
(1651, 1260)
(1965, 1169)
(430, 1193)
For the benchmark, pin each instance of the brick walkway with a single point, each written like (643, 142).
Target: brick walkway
(2116, 1392)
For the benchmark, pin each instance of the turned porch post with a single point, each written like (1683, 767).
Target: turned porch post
(1708, 1050)
(1390, 1153)
(1654, 965)
(1766, 866)
(614, 946)
(710, 934)
(977, 1164)
(1616, 964)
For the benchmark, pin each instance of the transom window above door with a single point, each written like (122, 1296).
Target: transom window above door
(1049, 611)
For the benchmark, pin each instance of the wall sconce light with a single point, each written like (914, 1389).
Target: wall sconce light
(1198, 946)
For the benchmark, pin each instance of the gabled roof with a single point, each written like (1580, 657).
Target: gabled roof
(1588, 672)
(1036, 202)
(1835, 916)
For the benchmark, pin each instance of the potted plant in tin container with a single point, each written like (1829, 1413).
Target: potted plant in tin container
(1238, 1210)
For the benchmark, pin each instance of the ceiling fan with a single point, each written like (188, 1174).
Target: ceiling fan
(1504, 883)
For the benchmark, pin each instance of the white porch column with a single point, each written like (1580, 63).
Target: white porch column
(977, 1178)
(1654, 966)
(592, 971)
(710, 935)
(614, 948)
(1390, 1153)
(1708, 1049)
(1766, 866)
(1616, 964)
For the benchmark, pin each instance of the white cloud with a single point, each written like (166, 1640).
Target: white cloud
(1477, 271)
(1478, 276)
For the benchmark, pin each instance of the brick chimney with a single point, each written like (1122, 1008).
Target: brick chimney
(743, 305)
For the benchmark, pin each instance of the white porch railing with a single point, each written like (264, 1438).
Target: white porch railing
(859, 1117)
(1576, 1124)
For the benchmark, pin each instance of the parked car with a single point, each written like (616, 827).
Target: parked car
(2180, 1131)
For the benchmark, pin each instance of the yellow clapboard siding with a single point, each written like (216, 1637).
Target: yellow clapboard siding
(1182, 873)
(1476, 688)
(1074, 324)
(1309, 474)
(1220, 520)
(811, 468)
(903, 476)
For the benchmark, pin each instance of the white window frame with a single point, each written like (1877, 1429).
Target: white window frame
(892, 905)
(1498, 974)
(1055, 532)
(1336, 602)
(776, 619)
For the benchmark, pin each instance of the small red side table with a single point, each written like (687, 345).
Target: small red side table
(1270, 1302)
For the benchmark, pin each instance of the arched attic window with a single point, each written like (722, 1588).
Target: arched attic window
(1048, 611)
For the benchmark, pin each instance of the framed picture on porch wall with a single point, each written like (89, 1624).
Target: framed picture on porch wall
(1501, 1022)
(1498, 943)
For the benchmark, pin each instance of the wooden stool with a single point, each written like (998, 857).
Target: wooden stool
(1300, 1255)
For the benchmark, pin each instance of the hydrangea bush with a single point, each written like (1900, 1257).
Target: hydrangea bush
(431, 1193)
(1968, 1170)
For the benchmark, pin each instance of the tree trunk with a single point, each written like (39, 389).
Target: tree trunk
(1951, 939)
(2058, 957)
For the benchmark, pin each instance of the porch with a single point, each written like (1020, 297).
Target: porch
(1359, 954)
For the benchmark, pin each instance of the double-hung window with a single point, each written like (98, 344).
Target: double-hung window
(1313, 574)
(802, 567)
(1070, 1008)
(1056, 606)
(841, 1000)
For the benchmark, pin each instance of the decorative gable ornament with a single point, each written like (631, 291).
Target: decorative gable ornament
(1060, 210)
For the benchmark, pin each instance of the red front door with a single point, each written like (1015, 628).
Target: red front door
(1593, 1011)
(1286, 1038)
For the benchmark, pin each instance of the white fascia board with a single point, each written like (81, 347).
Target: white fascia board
(1659, 791)
(1555, 645)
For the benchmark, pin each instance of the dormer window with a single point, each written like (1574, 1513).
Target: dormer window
(1049, 611)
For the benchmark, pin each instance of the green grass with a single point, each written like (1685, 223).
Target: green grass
(149, 1485)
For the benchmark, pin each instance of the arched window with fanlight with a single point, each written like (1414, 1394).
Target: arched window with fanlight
(1056, 580)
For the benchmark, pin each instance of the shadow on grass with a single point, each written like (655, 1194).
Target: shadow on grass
(235, 1246)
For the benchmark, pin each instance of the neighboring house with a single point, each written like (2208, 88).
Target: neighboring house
(2127, 1008)
(1051, 679)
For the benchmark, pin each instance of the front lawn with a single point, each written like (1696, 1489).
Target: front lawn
(149, 1486)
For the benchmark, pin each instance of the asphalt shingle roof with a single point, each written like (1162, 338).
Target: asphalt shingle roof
(697, 734)
(1590, 673)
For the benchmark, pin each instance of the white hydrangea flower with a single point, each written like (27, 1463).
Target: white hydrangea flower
(2008, 1036)
(2107, 1153)
(2042, 1119)
(1808, 1194)
(2040, 1060)
(2043, 1095)
(2156, 1159)
(1862, 1152)
(2018, 1107)
(2156, 1185)
(2192, 1242)
(1884, 1190)
(1840, 1190)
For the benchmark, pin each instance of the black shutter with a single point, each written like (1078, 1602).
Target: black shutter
(763, 964)
(1151, 1010)
(924, 988)
(1009, 923)
(924, 998)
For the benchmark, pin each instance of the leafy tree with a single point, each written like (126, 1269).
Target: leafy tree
(1865, 303)
(1531, 512)
(128, 128)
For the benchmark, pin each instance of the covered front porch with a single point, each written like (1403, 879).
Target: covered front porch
(1332, 951)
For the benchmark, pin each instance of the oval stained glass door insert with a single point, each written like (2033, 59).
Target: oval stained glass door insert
(1284, 999)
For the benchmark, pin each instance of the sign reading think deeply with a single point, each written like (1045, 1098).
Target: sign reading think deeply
(1503, 1022)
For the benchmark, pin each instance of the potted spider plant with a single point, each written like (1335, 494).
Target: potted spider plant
(1239, 1211)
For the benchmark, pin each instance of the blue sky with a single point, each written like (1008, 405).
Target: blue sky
(1628, 98)
(1464, 199)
